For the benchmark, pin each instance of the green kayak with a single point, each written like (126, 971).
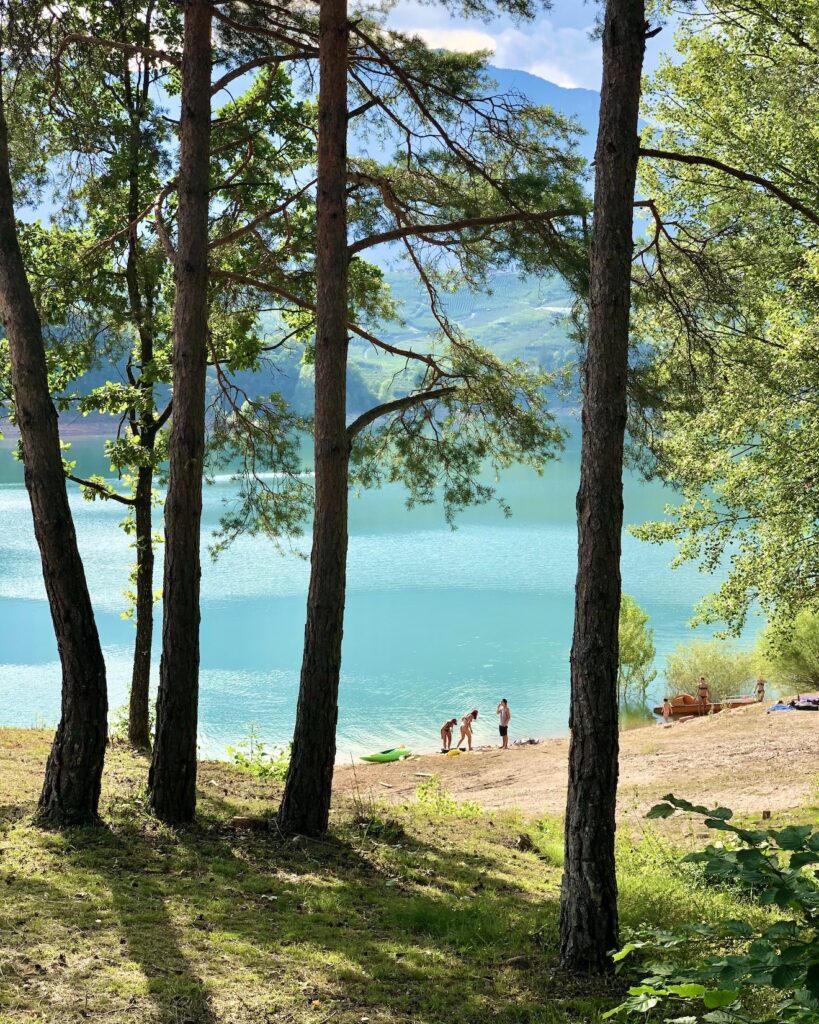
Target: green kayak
(393, 754)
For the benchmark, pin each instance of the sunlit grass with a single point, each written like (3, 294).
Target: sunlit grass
(401, 915)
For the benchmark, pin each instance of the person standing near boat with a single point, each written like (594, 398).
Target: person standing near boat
(466, 728)
(703, 692)
(759, 692)
(667, 710)
(504, 716)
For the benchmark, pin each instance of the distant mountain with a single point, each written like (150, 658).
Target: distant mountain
(581, 104)
(517, 317)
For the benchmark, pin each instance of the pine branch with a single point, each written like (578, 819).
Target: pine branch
(397, 405)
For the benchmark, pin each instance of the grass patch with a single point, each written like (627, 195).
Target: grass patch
(412, 915)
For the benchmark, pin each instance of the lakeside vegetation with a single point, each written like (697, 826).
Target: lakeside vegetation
(177, 243)
(401, 914)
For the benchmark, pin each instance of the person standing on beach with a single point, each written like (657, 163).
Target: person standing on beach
(504, 715)
(703, 692)
(446, 734)
(759, 692)
(667, 710)
(466, 728)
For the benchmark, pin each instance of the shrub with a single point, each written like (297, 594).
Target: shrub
(252, 755)
(436, 800)
(789, 652)
(728, 670)
(118, 724)
(780, 957)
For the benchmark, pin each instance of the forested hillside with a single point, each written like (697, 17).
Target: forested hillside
(516, 317)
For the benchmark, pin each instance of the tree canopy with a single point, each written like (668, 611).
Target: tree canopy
(724, 392)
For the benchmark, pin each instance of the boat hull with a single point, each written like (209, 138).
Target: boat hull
(685, 705)
(384, 756)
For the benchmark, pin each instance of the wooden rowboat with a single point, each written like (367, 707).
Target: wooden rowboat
(684, 705)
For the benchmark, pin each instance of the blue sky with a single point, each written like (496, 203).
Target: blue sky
(556, 46)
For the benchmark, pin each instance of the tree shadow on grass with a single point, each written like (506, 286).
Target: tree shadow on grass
(90, 874)
(211, 924)
(423, 932)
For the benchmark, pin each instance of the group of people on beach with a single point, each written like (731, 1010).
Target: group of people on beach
(703, 696)
(468, 720)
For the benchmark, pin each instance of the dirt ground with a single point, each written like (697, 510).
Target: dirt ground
(744, 759)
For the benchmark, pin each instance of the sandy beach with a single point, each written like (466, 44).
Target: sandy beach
(745, 759)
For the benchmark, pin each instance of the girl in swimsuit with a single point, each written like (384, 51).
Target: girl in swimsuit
(446, 734)
(466, 728)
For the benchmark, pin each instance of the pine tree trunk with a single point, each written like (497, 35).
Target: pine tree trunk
(305, 805)
(71, 789)
(172, 777)
(139, 703)
(144, 429)
(588, 906)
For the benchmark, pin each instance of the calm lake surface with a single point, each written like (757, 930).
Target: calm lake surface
(437, 622)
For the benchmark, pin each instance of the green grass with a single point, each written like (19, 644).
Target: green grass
(401, 915)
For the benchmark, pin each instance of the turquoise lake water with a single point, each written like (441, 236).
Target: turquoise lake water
(437, 621)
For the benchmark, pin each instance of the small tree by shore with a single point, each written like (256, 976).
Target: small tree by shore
(727, 669)
(789, 652)
(635, 671)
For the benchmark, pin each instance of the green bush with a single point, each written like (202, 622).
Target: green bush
(118, 724)
(765, 973)
(437, 801)
(252, 755)
(728, 670)
(789, 652)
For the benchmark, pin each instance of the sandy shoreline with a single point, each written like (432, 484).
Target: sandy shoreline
(745, 759)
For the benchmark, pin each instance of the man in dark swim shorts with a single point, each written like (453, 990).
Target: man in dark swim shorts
(504, 714)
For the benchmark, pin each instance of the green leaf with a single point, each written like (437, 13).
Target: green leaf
(621, 954)
(737, 927)
(661, 811)
(792, 837)
(687, 991)
(802, 858)
(785, 975)
(716, 998)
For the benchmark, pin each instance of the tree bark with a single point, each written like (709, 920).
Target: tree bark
(139, 704)
(71, 789)
(588, 906)
(172, 777)
(305, 804)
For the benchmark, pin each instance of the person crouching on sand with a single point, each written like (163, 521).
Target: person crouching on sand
(505, 715)
(446, 734)
(466, 728)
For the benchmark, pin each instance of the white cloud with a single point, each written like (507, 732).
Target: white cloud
(559, 53)
(557, 47)
(465, 40)
(553, 73)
